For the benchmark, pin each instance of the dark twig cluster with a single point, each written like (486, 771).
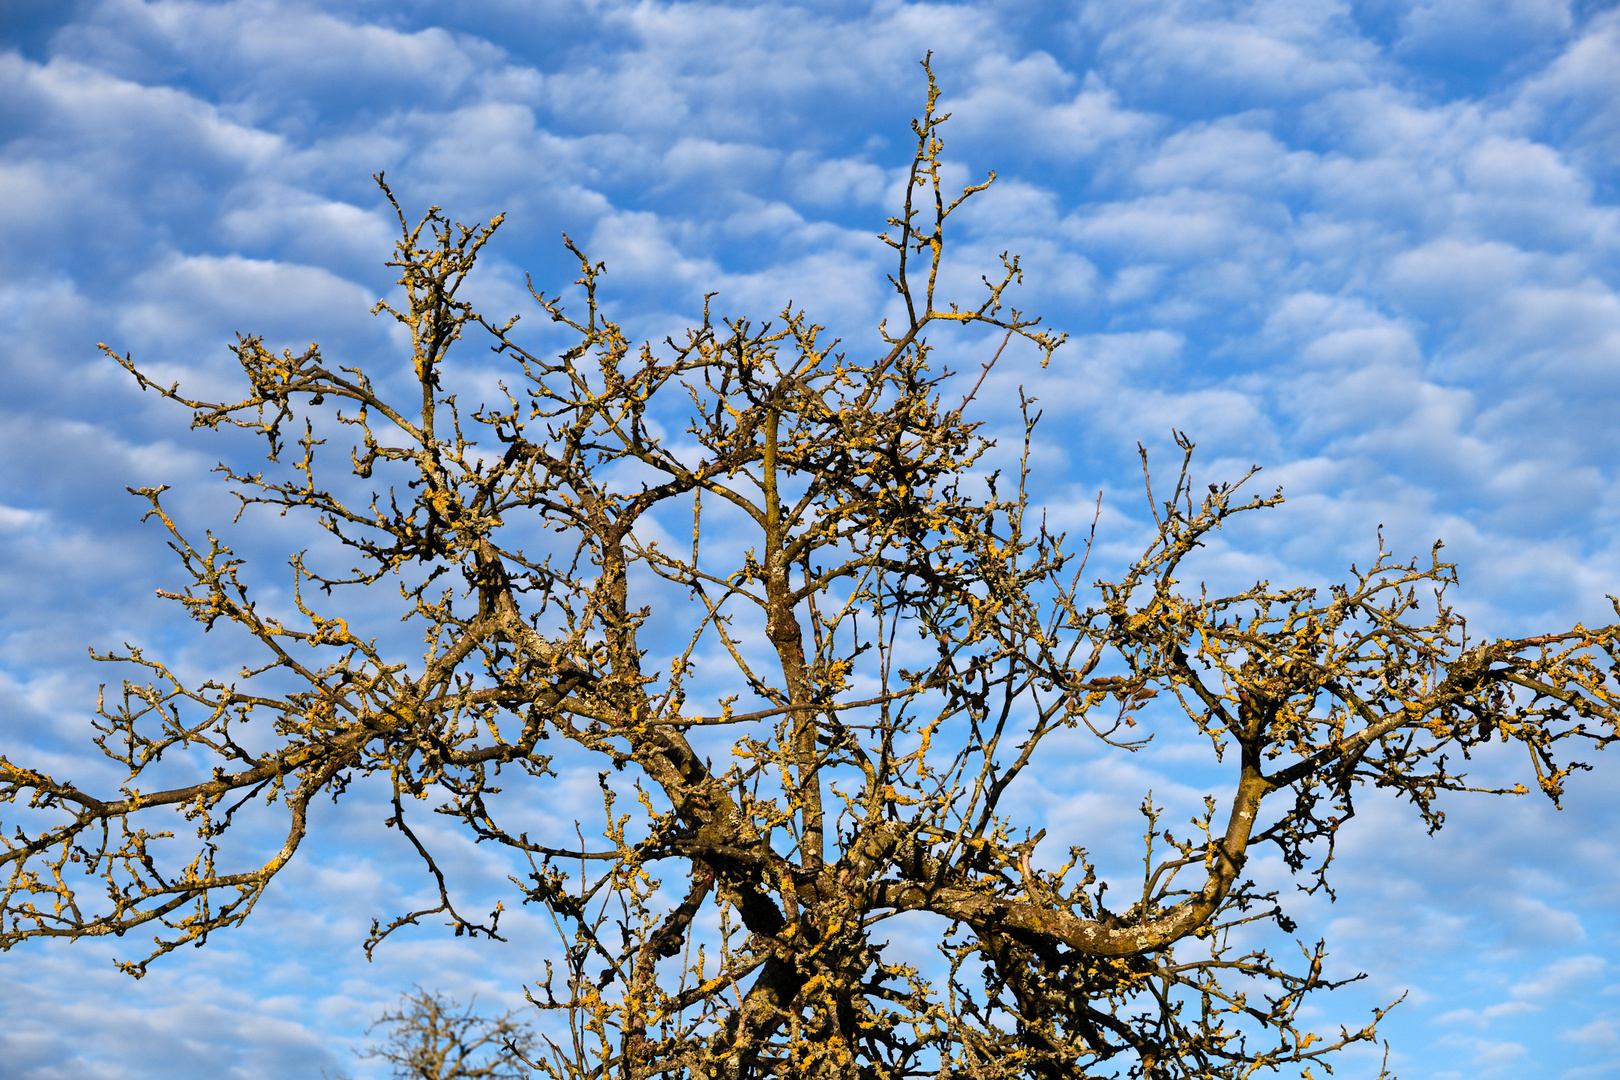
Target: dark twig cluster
(432, 1037)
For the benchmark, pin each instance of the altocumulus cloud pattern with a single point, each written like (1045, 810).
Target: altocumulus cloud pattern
(1373, 247)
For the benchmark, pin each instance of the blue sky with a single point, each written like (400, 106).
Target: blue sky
(1373, 247)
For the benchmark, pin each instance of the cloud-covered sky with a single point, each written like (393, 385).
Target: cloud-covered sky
(1373, 247)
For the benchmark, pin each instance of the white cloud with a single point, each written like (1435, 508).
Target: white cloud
(12, 518)
(1053, 114)
(1562, 979)
(1604, 1033)
(831, 182)
(1182, 226)
(325, 231)
(1260, 50)
(1579, 92)
(1481, 30)
(1490, 1057)
(277, 53)
(1483, 1018)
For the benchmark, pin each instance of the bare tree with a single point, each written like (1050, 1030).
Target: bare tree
(881, 627)
(431, 1037)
